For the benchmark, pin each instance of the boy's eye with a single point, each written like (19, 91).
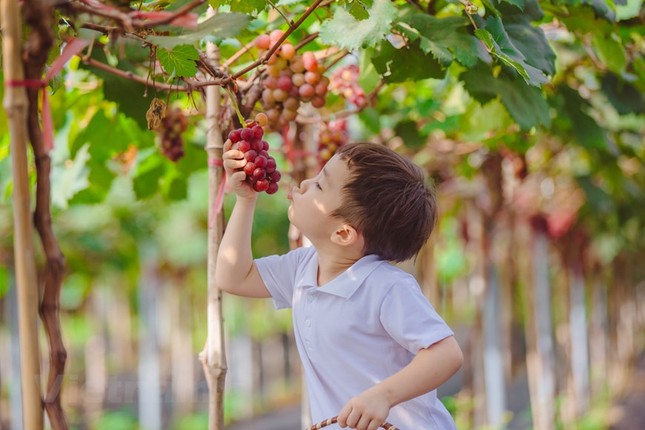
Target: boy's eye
(318, 186)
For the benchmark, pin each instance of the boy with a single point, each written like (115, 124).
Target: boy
(373, 348)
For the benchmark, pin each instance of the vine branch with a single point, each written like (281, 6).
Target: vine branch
(38, 16)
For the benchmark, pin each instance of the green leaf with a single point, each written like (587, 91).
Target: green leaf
(531, 42)
(345, 31)
(4, 282)
(446, 38)
(243, 6)
(222, 25)
(368, 78)
(127, 94)
(603, 8)
(523, 102)
(180, 61)
(409, 132)
(517, 3)
(69, 179)
(150, 168)
(107, 136)
(359, 9)
(175, 187)
(409, 63)
(622, 95)
(499, 44)
(610, 51)
(585, 129)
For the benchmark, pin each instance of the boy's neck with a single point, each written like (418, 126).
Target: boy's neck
(330, 265)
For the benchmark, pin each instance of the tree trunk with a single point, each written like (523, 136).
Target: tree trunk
(214, 355)
(16, 105)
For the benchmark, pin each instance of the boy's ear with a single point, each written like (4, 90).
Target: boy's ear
(345, 235)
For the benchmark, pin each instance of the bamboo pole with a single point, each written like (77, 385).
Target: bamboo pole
(15, 104)
(214, 356)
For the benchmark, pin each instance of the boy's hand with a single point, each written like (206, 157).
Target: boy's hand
(234, 162)
(366, 411)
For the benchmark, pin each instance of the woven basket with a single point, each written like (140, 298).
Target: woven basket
(334, 420)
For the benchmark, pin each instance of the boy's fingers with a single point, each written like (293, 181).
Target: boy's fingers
(238, 177)
(232, 164)
(228, 144)
(233, 154)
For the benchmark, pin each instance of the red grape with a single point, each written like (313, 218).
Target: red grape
(260, 168)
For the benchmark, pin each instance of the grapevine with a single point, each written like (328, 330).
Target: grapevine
(290, 79)
(260, 168)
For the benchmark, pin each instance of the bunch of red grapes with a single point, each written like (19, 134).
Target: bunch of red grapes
(290, 79)
(344, 81)
(260, 168)
(170, 130)
(331, 136)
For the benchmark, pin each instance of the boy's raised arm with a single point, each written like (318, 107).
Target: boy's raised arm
(235, 271)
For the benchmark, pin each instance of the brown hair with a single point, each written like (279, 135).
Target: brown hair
(387, 200)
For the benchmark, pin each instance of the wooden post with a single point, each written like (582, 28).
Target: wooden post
(15, 104)
(540, 356)
(214, 355)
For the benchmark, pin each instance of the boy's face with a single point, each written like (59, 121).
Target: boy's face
(313, 202)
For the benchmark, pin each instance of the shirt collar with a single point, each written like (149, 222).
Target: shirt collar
(345, 284)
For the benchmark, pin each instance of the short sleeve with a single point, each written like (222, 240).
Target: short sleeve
(279, 274)
(408, 316)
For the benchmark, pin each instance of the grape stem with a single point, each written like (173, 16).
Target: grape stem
(287, 20)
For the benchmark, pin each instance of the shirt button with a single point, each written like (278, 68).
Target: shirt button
(310, 298)
(308, 322)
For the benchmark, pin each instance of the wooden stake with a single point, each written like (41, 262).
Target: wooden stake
(15, 104)
(214, 356)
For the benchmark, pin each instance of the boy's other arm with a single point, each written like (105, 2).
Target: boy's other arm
(430, 368)
(235, 271)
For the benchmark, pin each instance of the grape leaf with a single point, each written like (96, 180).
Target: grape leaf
(524, 103)
(409, 132)
(69, 179)
(243, 6)
(622, 95)
(174, 186)
(150, 168)
(180, 61)
(528, 39)
(586, 130)
(222, 25)
(499, 44)
(446, 38)
(520, 4)
(610, 51)
(409, 63)
(345, 31)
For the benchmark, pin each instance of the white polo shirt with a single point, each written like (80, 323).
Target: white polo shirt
(357, 330)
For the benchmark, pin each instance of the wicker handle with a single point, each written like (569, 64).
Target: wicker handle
(334, 420)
